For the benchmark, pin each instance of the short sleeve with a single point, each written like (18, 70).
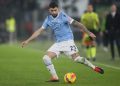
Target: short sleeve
(45, 23)
(70, 20)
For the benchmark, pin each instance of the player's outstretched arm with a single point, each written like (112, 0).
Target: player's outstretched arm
(34, 35)
(81, 26)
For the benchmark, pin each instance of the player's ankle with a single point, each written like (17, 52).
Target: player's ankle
(55, 77)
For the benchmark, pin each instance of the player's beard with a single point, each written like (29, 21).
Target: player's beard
(54, 15)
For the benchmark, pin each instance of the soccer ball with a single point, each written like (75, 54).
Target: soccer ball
(70, 78)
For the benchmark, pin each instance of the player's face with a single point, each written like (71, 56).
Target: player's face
(90, 8)
(54, 11)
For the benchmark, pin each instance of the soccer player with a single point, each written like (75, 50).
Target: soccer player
(60, 22)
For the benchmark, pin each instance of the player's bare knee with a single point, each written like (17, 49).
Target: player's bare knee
(51, 55)
(74, 56)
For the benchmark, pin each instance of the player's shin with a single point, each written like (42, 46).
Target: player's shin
(83, 60)
(50, 66)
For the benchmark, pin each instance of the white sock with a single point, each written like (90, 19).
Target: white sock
(50, 66)
(84, 61)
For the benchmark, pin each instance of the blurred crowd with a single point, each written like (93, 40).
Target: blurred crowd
(15, 19)
(19, 18)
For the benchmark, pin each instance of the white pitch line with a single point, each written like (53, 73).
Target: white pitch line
(109, 66)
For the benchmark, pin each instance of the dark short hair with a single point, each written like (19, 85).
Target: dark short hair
(53, 5)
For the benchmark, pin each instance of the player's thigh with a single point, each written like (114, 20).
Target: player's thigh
(51, 54)
(75, 55)
(53, 51)
(72, 51)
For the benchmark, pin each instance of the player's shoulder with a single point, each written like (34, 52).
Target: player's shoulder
(47, 18)
(63, 14)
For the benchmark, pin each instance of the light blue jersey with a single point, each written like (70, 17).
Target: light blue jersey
(60, 26)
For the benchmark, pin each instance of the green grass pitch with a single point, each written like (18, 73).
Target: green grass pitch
(25, 67)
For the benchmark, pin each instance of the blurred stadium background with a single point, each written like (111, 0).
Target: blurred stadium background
(24, 67)
(29, 14)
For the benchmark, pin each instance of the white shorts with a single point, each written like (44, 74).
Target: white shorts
(68, 47)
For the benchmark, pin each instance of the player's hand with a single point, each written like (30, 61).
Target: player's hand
(92, 35)
(24, 43)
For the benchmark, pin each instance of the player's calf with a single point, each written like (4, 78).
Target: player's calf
(50, 66)
(83, 60)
